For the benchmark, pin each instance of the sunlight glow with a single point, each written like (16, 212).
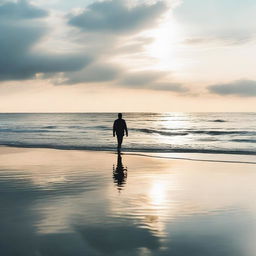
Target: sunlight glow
(165, 45)
(158, 193)
(173, 124)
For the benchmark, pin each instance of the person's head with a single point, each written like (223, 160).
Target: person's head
(120, 115)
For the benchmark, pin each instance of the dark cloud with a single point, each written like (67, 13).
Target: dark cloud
(18, 61)
(242, 88)
(20, 10)
(18, 39)
(116, 17)
(93, 73)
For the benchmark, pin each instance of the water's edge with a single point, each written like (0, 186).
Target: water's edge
(189, 156)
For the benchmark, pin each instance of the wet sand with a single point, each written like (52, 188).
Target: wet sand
(67, 202)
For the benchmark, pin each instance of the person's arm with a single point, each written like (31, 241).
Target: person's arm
(125, 127)
(114, 129)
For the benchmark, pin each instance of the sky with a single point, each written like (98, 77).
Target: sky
(127, 55)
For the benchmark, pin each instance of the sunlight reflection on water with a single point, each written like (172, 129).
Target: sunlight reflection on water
(77, 203)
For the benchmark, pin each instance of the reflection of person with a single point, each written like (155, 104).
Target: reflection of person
(119, 127)
(119, 173)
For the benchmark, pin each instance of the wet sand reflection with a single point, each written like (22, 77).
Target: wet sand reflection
(119, 173)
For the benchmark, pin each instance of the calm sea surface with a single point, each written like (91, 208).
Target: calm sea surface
(148, 132)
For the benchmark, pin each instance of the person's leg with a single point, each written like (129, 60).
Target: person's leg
(119, 142)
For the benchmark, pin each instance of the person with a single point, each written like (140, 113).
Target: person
(119, 127)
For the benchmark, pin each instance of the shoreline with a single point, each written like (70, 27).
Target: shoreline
(145, 151)
(197, 157)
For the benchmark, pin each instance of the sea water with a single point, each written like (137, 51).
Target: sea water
(227, 133)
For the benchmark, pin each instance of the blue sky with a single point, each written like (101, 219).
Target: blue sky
(190, 53)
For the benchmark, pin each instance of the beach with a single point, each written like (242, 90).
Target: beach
(74, 202)
(127, 128)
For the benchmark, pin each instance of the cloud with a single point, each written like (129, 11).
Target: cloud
(242, 88)
(142, 78)
(20, 10)
(152, 80)
(19, 59)
(117, 17)
(224, 40)
(169, 86)
(98, 73)
(102, 26)
(103, 72)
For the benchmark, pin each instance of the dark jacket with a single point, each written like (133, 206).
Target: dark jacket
(119, 127)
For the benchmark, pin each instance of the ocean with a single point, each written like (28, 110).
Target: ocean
(225, 133)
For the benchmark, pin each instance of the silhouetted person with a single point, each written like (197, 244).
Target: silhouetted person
(119, 173)
(119, 127)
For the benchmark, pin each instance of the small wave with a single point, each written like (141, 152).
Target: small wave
(215, 132)
(161, 132)
(187, 132)
(245, 140)
(208, 139)
(50, 127)
(26, 130)
(76, 127)
(101, 127)
(219, 121)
